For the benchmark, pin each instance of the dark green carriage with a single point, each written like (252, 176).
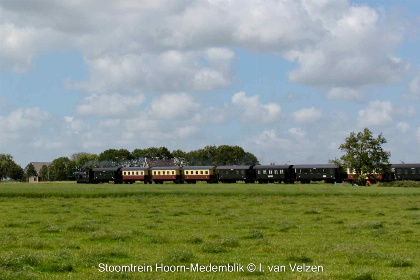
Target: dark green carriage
(234, 173)
(330, 173)
(406, 171)
(274, 173)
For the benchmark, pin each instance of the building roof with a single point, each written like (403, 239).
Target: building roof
(199, 167)
(234, 167)
(39, 165)
(165, 168)
(315, 166)
(405, 165)
(271, 166)
(134, 168)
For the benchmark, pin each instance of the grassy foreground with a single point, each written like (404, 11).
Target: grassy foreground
(65, 230)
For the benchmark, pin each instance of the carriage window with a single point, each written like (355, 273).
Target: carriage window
(398, 171)
(406, 171)
(207, 172)
(243, 172)
(264, 171)
(201, 172)
(141, 172)
(186, 172)
(137, 173)
(259, 172)
(276, 171)
(413, 171)
(270, 171)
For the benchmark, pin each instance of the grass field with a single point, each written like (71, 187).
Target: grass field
(65, 230)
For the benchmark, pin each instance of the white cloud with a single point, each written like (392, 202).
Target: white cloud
(345, 94)
(378, 113)
(359, 48)
(414, 88)
(307, 115)
(251, 109)
(187, 45)
(23, 119)
(110, 104)
(298, 132)
(173, 107)
(403, 127)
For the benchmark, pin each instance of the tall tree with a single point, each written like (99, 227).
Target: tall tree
(30, 171)
(85, 160)
(364, 154)
(115, 155)
(44, 173)
(60, 169)
(15, 172)
(6, 161)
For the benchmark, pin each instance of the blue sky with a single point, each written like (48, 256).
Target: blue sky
(286, 80)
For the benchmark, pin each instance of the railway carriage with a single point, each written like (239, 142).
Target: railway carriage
(85, 177)
(104, 175)
(234, 173)
(330, 173)
(274, 173)
(167, 173)
(132, 174)
(192, 174)
(406, 171)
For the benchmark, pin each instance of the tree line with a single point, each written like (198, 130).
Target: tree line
(64, 168)
(362, 152)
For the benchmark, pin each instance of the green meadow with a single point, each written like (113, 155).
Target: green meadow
(66, 230)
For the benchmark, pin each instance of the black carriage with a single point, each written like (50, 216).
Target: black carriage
(105, 175)
(406, 171)
(274, 173)
(85, 177)
(234, 173)
(330, 173)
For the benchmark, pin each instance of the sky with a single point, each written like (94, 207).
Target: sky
(287, 80)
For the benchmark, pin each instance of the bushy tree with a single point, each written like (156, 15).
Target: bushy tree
(85, 160)
(364, 154)
(44, 173)
(61, 169)
(152, 153)
(30, 170)
(15, 172)
(115, 155)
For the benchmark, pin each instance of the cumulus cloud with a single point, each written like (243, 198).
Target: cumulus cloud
(23, 118)
(414, 88)
(403, 127)
(187, 45)
(251, 109)
(110, 104)
(344, 94)
(378, 113)
(20, 122)
(359, 48)
(173, 107)
(297, 132)
(307, 115)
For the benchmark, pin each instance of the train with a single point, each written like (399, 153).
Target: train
(303, 173)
